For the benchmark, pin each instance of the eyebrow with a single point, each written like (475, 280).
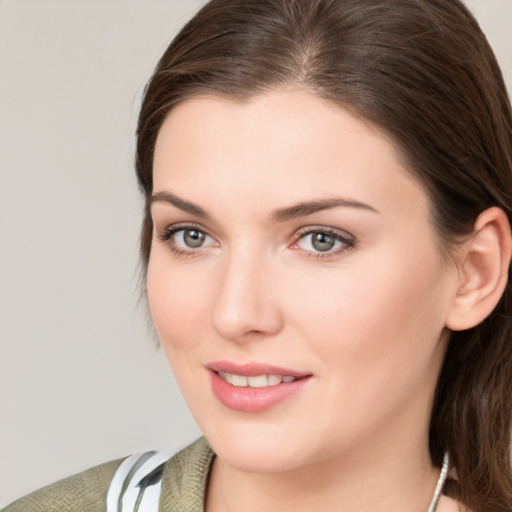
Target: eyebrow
(309, 207)
(182, 204)
(298, 210)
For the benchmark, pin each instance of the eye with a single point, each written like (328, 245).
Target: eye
(186, 239)
(191, 238)
(323, 242)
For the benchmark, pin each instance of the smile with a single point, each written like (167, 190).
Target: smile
(257, 381)
(255, 388)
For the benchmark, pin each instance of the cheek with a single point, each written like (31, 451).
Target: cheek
(374, 336)
(375, 320)
(177, 300)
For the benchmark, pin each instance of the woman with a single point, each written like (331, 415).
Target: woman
(326, 246)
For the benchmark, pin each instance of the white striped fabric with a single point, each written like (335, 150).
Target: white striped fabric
(136, 484)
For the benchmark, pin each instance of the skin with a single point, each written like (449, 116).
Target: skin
(367, 319)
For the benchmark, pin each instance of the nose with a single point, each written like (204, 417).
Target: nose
(246, 304)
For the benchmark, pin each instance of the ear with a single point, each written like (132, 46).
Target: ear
(483, 270)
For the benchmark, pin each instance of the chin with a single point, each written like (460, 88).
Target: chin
(260, 448)
(258, 458)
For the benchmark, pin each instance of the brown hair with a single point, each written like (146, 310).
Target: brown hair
(423, 71)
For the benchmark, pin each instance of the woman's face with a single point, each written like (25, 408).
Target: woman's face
(295, 281)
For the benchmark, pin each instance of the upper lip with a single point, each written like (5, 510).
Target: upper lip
(253, 369)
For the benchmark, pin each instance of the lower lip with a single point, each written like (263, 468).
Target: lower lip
(247, 399)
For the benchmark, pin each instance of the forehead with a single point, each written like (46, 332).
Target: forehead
(295, 113)
(286, 145)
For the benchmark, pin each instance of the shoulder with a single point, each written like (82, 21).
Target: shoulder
(84, 492)
(185, 478)
(182, 480)
(153, 481)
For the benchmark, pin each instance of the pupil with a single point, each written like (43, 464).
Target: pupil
(322, 242)
(194, 238)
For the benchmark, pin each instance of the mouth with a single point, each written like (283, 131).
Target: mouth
(254, 388)
(255, 381)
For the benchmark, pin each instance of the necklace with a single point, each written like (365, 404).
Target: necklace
(440, 484)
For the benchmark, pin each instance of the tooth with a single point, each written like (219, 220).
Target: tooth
(259, 381)
(239, 380)
(228, 377)
(274, 380)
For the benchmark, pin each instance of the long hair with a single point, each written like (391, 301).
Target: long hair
(423, 71)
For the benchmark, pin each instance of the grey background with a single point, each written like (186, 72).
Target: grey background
(81, 380)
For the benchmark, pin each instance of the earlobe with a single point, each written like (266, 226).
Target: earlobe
(483, 270)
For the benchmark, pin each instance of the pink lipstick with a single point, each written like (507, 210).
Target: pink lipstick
(254, 387)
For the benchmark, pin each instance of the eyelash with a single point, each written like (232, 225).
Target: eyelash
(170, 231)
(348, 242)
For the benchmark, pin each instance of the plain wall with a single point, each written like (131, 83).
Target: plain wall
(81, 380)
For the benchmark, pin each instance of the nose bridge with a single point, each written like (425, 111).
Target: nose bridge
(244, 304)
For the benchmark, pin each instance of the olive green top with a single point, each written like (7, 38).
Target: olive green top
(183, 486)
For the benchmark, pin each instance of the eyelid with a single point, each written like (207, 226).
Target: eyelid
(348, 240)
(169, 231)
(340, 233)
(176, 226)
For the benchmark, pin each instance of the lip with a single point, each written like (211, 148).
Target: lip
(253, 369)
(254, 400)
